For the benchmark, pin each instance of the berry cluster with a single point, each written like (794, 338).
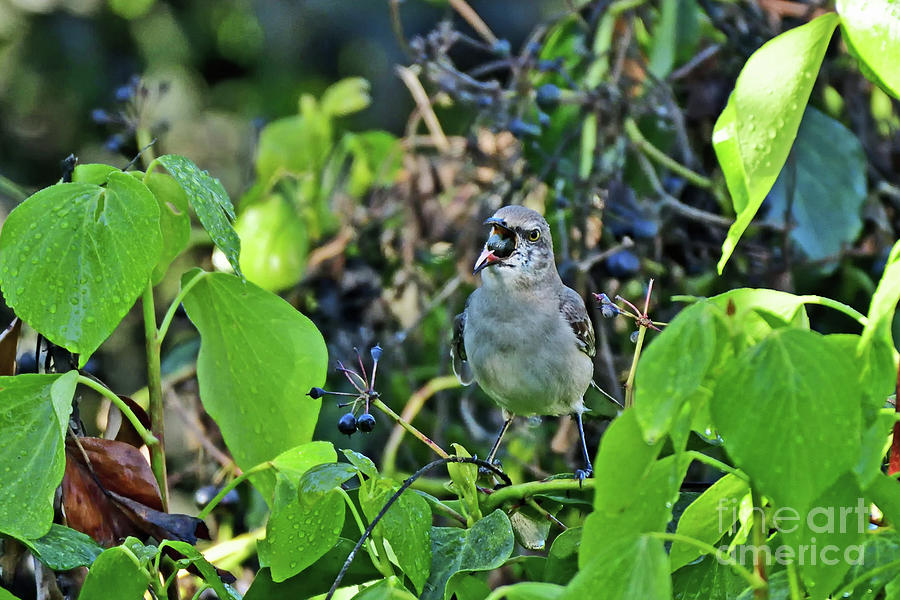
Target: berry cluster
(349, 423)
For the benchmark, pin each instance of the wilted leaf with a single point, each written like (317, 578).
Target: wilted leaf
(9, 342)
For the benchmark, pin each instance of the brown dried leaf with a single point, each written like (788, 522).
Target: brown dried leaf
(120, 468)
(88, 508)
(9, 341)
(127, 433)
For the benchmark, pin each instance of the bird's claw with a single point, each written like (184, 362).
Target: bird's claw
(582, 474)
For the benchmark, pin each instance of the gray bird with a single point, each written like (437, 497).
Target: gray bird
(524, 336)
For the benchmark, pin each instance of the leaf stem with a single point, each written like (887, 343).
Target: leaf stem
(755, 581)
(629, 383)
(176, 302)
(154, 387)
(715, 463)
(230, 486)
(759, 540)
(418, 434)
(794, 581)
(146, 436)
(838, 306)
(377, 559)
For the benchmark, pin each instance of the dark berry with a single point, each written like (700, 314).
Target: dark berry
(623, 263)
(124, 93)
(520, 128)
(366, 423)
(375, 352)
(316, 393)
(502, 47)
(547, 96)
(484, 101)
(98, 115)
(347, 424)
(543, 118)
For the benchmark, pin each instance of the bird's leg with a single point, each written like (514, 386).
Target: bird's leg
(588, 470)
(493, 452)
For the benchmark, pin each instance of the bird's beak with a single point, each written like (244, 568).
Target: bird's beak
(485, 259)
(499, 246)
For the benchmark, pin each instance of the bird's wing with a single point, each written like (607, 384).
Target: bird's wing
(572, 308)
(458, 351)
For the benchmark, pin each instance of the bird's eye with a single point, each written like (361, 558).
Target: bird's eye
(534, 235)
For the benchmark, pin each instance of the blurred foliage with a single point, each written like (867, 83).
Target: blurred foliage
(363, 206)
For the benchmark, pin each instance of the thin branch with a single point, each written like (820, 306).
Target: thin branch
(411, 80)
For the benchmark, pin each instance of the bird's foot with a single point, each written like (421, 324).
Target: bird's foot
(582, 474)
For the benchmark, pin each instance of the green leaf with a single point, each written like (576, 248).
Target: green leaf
(315, 579)
(96, 174)
(406, 526)
(321, 479)
(464, 477)
(872, 30)
(880, 549)
(362, 463)
(794, 397)
(531, 528)
(377, 158)
(884, 303)
(707, 580)
(753, 135)
(824, 184)
(63, 548)
(675, 366)
(484, 546)
(386, 589)
(174, 220)
(274, 243)
(210, 202)
(115, 569)
(836, 524)
(295, 462)
(210, 576)
(346, 97)
(33, 424)
(625, 568)
(708, 518)
(299, 533)
(293, 145)
(562, 560)
(528, 590)
(258, 358)
(5, 595)
(74, 257)
(743, 308)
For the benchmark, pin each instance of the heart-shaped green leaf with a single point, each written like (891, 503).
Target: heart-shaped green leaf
(75, 256)
(258, 358)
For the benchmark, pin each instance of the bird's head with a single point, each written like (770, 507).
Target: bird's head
(519, 247)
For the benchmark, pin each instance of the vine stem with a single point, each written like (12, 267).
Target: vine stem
(418, 434)
(146, 436)
(154, 387)
(715, 463)
(408, 482)
(522, 491)
(412, 408)
(755, 581)
(230, 486)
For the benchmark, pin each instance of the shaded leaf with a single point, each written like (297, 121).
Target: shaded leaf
(345, 97)
(753, 135)
(482, 547)
(824, 183)
(562, 560)
(707, 580)
(62, 548)
(386, 589)
(74, 257)
(33, 425)
(174, 220)
(625, 568)
(207, 571)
